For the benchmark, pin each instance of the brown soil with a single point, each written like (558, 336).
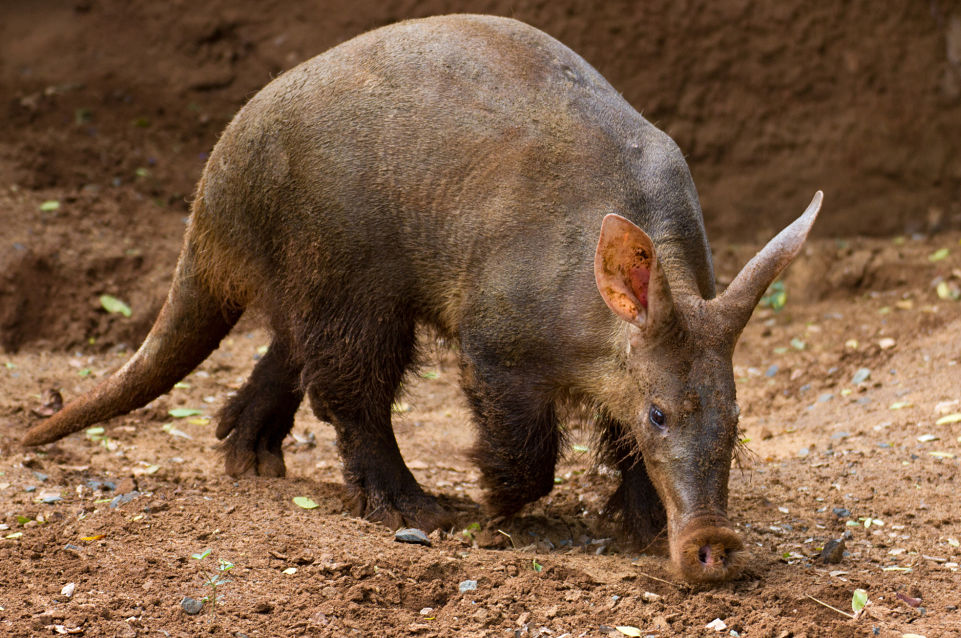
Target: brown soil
(109, 108)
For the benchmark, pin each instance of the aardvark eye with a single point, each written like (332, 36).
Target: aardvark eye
(657, 417)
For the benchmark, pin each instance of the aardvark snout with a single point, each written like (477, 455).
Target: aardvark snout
(708, 551)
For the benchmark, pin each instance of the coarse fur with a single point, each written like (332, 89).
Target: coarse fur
(463, 173)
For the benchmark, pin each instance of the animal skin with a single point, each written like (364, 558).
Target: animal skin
(473, 175)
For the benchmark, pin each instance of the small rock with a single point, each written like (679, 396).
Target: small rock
(49, 497)
(191, 605)
(467, 585)
(771, 371)
(824, 398)
(861, 376)
(841, 512)
(411, 535)
(650, 597)
(68, 589)
(262, 607)
(886, 343)
(717, 625)
(833, 551)
(123, 499)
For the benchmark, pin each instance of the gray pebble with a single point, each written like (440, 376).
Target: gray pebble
(123, 499)
(824, 398)
(467, 585)
(191, 605)
(841, 512)
(411, 535)
(771, 371)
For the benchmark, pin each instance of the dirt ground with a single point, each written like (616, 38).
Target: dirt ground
(109, 109)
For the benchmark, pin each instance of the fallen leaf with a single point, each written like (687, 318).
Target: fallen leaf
(861, 376)
(628, 630)
(925, 438)
(939, 254)
(114, 306)
(95, 537)
(172, 431)
(950, 418)
(859, 600)
(51, 403)
(50, 205)
(180, 413)
(304, 502)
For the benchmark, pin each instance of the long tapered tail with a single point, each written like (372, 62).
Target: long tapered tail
(190, 326)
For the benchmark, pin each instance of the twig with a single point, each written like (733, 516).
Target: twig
(660, 580)
(509, 537)
(821, 602)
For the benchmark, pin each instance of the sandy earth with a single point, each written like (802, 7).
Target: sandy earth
(118, 142)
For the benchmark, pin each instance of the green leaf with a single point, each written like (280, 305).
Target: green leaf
(304, 502)
(776, 297)
(797, 344)
(859, 600)
(85, 372)
(50, 205)
(180, 413)
(204, 554)
(23, 520)
(537, 566)
(939, 254)
(114, 306)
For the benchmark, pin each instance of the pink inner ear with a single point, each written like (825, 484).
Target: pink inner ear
(622, 268)
(640, 277)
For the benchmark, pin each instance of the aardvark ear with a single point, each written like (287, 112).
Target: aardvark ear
(735, 305)
(629, 276)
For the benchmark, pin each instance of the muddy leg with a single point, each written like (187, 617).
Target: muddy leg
(353, 386)
(518, 438)
(635, 502)
(260, 415)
